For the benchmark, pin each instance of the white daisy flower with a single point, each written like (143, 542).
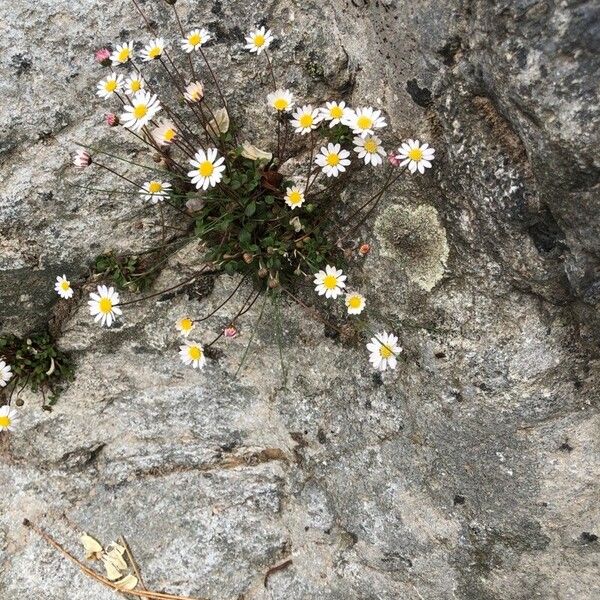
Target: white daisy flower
(294, 197)
(63, 287)
(194, 92)
(5, 373)
(103, 305)
(154, 191)
(153, 50)
(384, 349)
(142, 110)
(415, 155)
(355, 303)
(370, 149)
(192, 353)
(334, 112)
(122, 54)
(195, 39)
(364, 121)
(330, 282)
(134, 83)
(208, 169)
(184, 326)
(165, 132)
(333, 160)
(258, 40)
(8, 417)
(281, 100)
(109, 85)
(306, 119)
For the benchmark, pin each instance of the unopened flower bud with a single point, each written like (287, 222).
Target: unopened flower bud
(364, 249)
(393, 159)
(273, 282)
(103, 56)
(230, 332)
(111, 120)
(194, 92)
(248, 258)
(82, 159)
(262, 273)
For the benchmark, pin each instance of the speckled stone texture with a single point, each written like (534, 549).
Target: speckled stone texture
(470, 472)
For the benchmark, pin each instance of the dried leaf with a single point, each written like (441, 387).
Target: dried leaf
(295, 223)
(253, 153)
(115, 546)
(116, 558)
(93, 548)
(112, 572)
(127, 583)
(220, 124)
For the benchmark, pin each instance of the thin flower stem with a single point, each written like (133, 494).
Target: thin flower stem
(237, 287)
(313, 143)
(313, 310)
(243, 310)
(214, 78)
(247, 349)
(169, 289)
(117, 174)
(143, 15)
(182, 30)
(91, 573)
(272, 73)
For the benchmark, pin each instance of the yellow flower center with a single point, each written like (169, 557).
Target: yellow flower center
(371, 146)
(280, 104)
(135, 85)
(415, 154)
(195, 39)
(105, 305)
(330, 282)
(206, 168)
(295, 197)
(140, 111)
(64, 286)
(169, 134)
(354, 302)
(333, 160)
(154, 187)
(259, 40)
(123, 55)
(155, 52)
(385, 352)
(336, 112)
(110, 85)
(186, 324)
(364, 122)
(194, 353)
(5, 421)
(306, 120)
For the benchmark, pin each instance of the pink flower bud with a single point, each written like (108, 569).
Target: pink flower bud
(364, 249)
(103, 56)
(230, 332)
(111, 120)
(393, 159)
(82, 159)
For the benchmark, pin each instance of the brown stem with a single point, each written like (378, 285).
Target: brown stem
(91, 573)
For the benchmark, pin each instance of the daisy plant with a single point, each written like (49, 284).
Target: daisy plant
(274, 214)
(33, 362)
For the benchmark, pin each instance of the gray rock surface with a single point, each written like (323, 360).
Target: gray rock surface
(471, 471)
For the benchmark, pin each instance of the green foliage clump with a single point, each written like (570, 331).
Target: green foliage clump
(248, 229)
(132, 272)
(36, 363)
